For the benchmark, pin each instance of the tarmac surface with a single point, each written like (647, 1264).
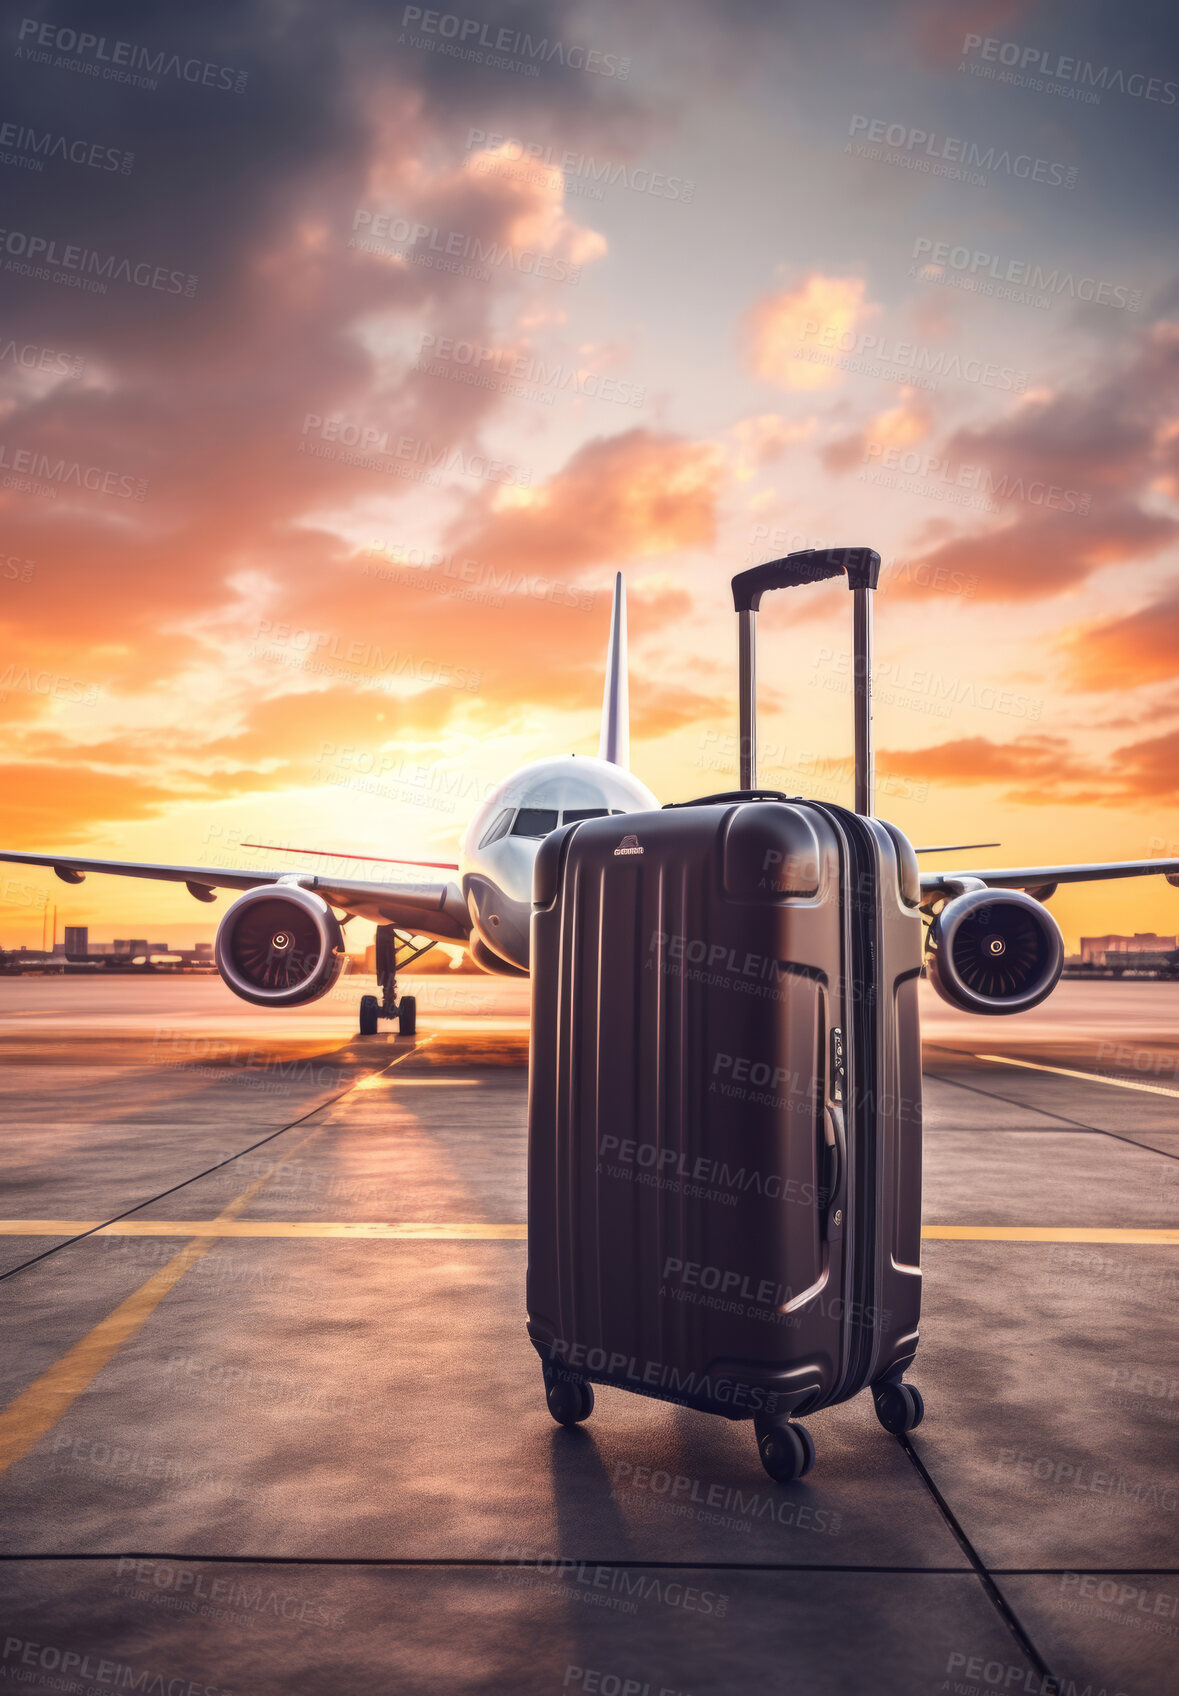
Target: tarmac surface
(269, 1420)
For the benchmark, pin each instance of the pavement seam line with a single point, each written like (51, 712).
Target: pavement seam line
(486, 1563)
(1044, 1113)
(220, 1164)
(45, 1402)
(992, 1591)
(357, 1230)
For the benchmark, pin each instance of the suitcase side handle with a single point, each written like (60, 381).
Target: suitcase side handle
(734, 795)
(861, 567)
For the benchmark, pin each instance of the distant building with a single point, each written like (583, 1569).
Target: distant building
(1094, 949)
(77, 941)
(204, 950)
(156, 948)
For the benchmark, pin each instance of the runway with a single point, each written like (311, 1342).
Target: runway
(269, 1420)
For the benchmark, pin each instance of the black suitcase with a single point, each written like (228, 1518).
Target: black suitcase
(724, 1117)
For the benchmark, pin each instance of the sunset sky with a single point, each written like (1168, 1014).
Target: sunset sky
(347, 351)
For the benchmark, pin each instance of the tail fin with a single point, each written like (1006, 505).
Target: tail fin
(614, 743)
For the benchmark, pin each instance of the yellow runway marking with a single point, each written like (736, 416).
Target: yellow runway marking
(46, 1227)
(420, 1083)
(204, 1231)
(46, 1401)
(1050, 1234)
(222, 1227)
(1089, 1077)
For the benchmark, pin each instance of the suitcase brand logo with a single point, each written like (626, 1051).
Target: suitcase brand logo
(628, 845)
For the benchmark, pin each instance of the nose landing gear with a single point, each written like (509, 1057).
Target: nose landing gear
(393, 951)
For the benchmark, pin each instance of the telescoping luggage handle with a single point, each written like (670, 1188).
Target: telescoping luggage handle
(861, 567)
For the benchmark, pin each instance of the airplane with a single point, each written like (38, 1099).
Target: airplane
(280, 944)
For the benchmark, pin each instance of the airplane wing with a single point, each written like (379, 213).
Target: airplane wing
(427, 909)
(1047, 877)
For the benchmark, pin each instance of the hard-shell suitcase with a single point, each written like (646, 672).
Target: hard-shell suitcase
(725, 1093)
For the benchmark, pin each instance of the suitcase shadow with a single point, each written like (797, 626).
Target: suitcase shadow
(589, 1520)
(595, 1540)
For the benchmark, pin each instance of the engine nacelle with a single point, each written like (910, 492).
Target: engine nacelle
(994, 951)
(499, 924)
(280, 946)
(489, 962)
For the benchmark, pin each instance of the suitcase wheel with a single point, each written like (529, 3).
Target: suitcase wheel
(899, 1407)
(570, 1400)
(787, 1451)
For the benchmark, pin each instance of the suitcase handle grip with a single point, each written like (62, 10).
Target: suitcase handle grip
(861, 566)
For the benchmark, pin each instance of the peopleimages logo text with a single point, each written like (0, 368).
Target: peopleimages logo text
(38, 255)
(953, 149)
(443, 249)
(975, 262)
(31, 147)
(121, 56)
(1062, 67)
(475, 33)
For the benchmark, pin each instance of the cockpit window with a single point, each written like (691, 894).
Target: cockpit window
(500, 827)
(535, 821)
(572, 815)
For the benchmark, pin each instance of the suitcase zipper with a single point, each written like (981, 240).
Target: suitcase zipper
(865, 1097)
(860, 1206)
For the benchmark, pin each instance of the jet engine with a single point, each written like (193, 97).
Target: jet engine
(994, 951)
(489, 962)
(280, 947)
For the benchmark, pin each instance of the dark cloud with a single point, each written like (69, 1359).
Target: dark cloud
(1075, 475)
(201, 404)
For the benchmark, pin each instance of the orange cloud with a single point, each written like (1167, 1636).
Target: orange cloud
(818, 312)
(658, 707)
(1150, 767)
(57, 805)
(640, 495)
(762, 440)
(1141, 648)
(898, 427)
(1047, 770)
(939, 33)
(533, 197)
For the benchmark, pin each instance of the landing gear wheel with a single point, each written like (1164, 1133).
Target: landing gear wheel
(787, 1451)
(370, 1009)
(407, 1015)
(899, 1407)
(570, 1400)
